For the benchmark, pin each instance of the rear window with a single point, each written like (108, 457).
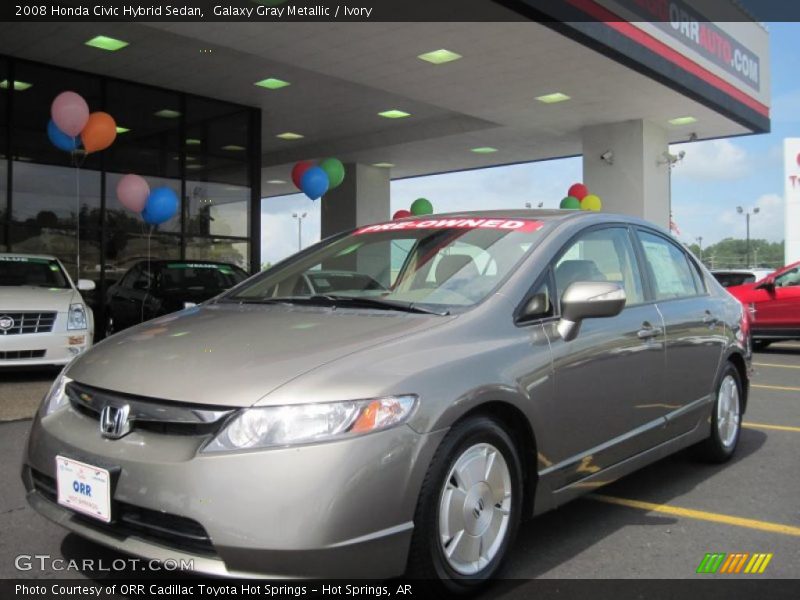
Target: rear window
(732, 279)
(18, 271)
(199, 276)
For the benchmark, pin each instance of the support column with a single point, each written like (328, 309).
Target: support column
(361, 199)
(638, 180)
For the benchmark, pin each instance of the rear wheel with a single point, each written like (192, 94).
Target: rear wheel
(726, 419)
(469, 507)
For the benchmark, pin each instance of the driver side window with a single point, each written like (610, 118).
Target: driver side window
(789, 278)
(601, 255)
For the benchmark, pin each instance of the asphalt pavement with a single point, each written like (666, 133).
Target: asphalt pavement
(657, 523)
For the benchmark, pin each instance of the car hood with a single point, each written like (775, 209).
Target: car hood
(232, 355)
(32, 298)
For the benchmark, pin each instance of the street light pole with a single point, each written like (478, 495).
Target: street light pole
(299, 218)
(747, 213)
(700, 244)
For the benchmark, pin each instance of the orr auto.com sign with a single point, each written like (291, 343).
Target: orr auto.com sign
(684, 23)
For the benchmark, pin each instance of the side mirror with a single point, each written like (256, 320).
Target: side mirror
(768, 283)
(537, 306)
(588, 300)
(86, 285)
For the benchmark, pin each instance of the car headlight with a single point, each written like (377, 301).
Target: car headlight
(57, 396)
(77, 317)
(269, 426)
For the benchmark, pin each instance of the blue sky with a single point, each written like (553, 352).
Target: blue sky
(713, 178)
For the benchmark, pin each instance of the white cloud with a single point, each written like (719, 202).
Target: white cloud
(713, 160)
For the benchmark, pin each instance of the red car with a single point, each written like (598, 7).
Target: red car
(774, 305)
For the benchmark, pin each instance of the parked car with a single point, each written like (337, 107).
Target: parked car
(774, 305)
(43, 318)
(514, 361)
(158, 287)
(731, 277)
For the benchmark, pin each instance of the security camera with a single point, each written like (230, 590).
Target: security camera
(607, 157)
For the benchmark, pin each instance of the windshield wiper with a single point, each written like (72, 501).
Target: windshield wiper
(379, 303)
(336, 300)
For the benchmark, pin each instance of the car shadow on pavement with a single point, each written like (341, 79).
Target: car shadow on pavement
(554, 538)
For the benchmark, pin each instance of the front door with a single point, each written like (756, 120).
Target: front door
(609, 402)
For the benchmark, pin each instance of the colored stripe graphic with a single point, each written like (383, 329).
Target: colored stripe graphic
(711, 562)
(720, 562)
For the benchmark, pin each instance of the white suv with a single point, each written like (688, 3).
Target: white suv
(43, 318)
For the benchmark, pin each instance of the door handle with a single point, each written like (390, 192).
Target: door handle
(648, 331)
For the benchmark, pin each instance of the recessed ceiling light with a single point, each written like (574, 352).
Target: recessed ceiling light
(290, 136)
(439, 57)
(383, 165)
(167, 113)
(19, 86)
(272, 83)
(276, 182)
(103, 42)
(122, 129)
(195, 167)
(553, 98)
(682, 121)
(188, 158)
(484, 150)
(234, 148)
(193, 142)
(394, 114)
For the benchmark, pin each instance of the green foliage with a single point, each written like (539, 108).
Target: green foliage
(731, 253)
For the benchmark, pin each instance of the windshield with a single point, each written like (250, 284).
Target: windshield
(438, 263)
(38, 272)
(207, 277)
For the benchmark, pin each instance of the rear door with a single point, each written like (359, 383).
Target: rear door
(695, 332)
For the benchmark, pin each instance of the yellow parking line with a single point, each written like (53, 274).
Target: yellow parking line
(780, 388)
(700, 515)
(777, 366)
(765, 426)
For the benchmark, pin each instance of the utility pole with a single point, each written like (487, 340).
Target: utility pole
(299, 218)
(747, 213)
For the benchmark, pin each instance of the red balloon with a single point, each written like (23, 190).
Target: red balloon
(401, 214)
(299, 170)
(578, 191)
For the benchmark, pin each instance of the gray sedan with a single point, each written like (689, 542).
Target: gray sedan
(506, 362)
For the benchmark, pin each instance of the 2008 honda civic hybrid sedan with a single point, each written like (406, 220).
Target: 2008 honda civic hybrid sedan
(480, 369)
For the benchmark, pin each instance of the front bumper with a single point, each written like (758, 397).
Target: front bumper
(338, 509)
(34, 349)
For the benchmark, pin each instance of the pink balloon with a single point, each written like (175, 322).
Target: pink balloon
(132, 192)
(70, 113)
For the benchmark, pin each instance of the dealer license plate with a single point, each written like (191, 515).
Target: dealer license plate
(84, 488)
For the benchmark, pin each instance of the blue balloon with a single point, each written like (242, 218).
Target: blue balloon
(161, 206)
(314, 183)
(60, 139)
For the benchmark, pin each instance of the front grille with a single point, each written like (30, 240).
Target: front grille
(161, 528)
(148, 414)
(21, 354)
(18, 323)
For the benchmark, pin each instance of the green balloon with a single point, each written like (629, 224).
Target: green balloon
(334, 168)
(570, 203)
(421, 206)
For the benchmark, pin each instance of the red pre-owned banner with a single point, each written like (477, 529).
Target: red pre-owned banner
(524, 225)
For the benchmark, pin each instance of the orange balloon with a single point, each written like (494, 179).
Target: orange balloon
(99, 133)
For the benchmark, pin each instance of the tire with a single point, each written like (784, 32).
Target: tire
(760, 344)
(726, 418)
(457, 496)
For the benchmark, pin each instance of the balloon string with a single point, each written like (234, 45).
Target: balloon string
(78, 221)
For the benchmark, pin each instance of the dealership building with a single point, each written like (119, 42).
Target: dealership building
(221, 111)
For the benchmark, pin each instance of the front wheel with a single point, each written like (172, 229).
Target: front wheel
(726, 419)
(469, 507)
